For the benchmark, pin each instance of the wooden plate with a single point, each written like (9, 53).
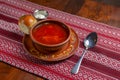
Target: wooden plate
(67, 51)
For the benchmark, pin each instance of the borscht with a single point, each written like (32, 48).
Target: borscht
(50, 33)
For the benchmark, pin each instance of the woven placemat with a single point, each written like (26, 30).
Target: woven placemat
(100, 63)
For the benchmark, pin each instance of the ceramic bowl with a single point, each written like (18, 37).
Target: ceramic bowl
(45, 47)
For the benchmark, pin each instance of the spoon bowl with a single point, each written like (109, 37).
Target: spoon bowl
(89, 42)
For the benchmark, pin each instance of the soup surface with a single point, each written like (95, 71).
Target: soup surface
(50, 33)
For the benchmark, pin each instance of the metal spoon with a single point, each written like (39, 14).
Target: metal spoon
(89, 42)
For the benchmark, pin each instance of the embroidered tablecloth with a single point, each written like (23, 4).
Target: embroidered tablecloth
(100, 63)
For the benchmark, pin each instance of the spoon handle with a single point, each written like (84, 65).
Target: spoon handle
(75, 69)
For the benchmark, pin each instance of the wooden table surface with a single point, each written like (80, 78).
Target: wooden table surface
(105, 11)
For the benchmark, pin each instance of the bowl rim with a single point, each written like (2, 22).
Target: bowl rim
(50, 45)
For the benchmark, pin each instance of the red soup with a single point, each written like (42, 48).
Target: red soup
(50, 33)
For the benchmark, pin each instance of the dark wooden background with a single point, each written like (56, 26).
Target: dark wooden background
(104, 11)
